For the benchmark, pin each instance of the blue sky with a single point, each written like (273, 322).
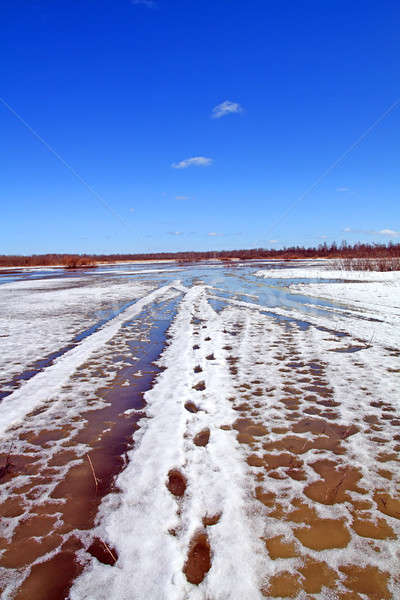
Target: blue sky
(198, 124)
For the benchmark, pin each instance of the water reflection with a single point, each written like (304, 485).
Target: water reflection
(237, 282)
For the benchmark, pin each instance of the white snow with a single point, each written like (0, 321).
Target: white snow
(138, 521)
(45, 384)
(367, 305)
(315, 272)
(249, 363)
(39, 317)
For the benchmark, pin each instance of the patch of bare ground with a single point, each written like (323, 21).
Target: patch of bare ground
(198, 561)
(200, 386)
(367, 580)
(103, 552)
(176, 483)
(208, 520)
(202, 438)
(279, 548)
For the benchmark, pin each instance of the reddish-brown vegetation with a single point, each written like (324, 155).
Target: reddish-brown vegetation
(383, 263)
(78, 262)
(359, 250)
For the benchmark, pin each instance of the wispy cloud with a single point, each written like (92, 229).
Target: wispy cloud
(383, 232)
(131, 210)
(225, 108)
(342, 189)
(226, 234)
(148, 3)
(273, 241)
(175, 232)
(389, 232)
(182, 197)
(195, 161)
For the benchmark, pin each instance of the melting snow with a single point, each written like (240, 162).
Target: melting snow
(266, 462)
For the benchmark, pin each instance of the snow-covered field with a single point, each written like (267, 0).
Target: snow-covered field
(368, 303)
(314, 271)
(41, 316)
(259, 459)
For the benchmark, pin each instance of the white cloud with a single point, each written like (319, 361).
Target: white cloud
(175, 232)
(384, 232)
(131, 210)
(273, 241)
(195, 161)
(212, 233)
(226, 108)
(182, 197)
(148, 3)
(342, 189)
(389, 232)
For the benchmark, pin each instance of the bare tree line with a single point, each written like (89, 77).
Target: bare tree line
(340, 251)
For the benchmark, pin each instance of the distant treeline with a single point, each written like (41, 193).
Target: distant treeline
(334, 250)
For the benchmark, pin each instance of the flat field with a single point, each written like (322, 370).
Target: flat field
(200, 432)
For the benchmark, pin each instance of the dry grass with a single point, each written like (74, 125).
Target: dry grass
(96, 479)
(382, 264)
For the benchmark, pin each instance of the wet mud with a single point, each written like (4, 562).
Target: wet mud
(61, 486)
(294, 436)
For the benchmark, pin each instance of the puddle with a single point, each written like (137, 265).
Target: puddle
(349, 349)
(72, 505)
(42, 363)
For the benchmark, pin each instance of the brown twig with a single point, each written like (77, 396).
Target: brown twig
(335, 489)
(96, 480)
(109, 551)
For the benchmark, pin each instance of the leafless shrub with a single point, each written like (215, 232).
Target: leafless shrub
(343, 251)
(383, 264)
(78, 262)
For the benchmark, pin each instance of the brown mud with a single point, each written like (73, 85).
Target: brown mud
(306, 404)
(198, 561)
(50, 525)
